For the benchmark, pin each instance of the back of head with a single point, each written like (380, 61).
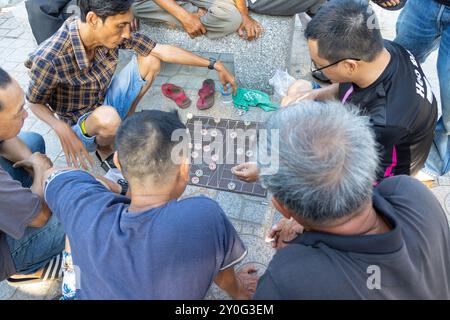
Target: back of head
(103, 8)
(346, 29)
(327, 160)
(5, 81)
(144, 145)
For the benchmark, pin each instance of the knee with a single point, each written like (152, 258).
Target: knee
(35, 142)
(106, 121)
(233, 19)
(149, 66)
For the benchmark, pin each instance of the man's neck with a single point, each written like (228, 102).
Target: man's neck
(371, 71)
(86, 37)
(149, 197)
(365, 222)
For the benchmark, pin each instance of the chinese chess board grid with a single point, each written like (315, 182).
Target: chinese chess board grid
(221, 177)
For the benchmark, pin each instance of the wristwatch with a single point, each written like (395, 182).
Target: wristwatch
(212, 63)
(124, 184)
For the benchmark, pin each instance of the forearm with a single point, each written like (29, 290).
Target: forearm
(44, 114)
(172, 54)
(14, 150)
(328, 93)
(241, 5)
(173, 8)
(228, 281)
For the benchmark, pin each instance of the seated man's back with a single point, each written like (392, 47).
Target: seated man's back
(169, 252)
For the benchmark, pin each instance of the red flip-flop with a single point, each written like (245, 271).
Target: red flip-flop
(206, 95)
(176, 94)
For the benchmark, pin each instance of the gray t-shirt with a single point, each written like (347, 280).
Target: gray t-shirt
(412, 261)
(18, 207)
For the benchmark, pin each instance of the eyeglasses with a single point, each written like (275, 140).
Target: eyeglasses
(315, 69)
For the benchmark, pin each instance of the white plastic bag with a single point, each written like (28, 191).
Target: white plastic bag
(281, 82)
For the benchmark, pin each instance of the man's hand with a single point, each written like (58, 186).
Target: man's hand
(247, 282)
(72, 146)
(193, 25)
(38, 162)
(289, 100)
(284, 231)
(247, 172)
(225, 77)
(250, 28)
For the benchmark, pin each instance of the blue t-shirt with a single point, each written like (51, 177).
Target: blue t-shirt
(170, 252)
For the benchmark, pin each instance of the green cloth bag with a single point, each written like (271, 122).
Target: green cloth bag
(246, 98)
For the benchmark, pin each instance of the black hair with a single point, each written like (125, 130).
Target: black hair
(346, 29)
(5, 80)
(103, 8)
(144, 143)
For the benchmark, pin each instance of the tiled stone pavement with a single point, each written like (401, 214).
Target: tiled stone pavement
(251, 216)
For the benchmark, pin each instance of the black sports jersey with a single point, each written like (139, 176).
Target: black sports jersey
(402, 110)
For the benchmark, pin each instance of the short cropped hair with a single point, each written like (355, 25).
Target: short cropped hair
(5, 80)
(327, 160)
(346, 29)
(144, 144)
(103, 8)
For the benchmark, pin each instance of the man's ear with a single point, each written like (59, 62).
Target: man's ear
(350, 66)
(92, 19)
(116, 161)
(281, 208)
(184, 169)
(289, 214)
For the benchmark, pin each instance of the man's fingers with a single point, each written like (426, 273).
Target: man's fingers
(249, 269)
(203, 29)
(88, 157)
(239, 169)
(23, 164)
(241, 32)
(250, 33)
(83, 163)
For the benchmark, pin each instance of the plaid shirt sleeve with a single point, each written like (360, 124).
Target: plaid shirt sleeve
(43, 81)
(140, 43)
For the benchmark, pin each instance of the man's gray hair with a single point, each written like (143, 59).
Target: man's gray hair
(327, 160)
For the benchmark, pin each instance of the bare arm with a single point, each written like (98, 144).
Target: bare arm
(240, 286)
(322, 94)
(190, 21)
(72, 146)
(14, 150)
(45, 214)
(172, 54)
(328, 93)
(38, 164)
(250, 28)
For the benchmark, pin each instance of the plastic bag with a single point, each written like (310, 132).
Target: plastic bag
(281, 82)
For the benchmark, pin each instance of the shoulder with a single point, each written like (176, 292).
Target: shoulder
(68, 178)
(51, 49)
(401, 185)
(298, 272)
(411, 199)
(202, 206)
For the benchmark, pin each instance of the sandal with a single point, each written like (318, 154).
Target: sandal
(106, 164)
(176, 94)
(393, 8)
(53, 270)
(206, 95)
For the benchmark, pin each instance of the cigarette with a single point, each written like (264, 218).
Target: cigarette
(269, 240)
